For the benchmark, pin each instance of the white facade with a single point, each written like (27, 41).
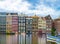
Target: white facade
(41, 23)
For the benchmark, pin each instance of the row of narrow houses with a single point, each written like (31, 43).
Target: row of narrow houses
(11, 22)
(49, 22)
(42, 24)
(14, 22)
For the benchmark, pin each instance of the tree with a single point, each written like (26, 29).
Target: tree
(53, 32)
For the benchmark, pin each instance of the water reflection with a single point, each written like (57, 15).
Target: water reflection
(28, 39)
(42, 40)
(2, 39)
(22, 39)
(11, 39)
(34, 39)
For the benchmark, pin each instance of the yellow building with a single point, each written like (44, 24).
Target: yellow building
(42, 24)
(35, 23)
(8, 23)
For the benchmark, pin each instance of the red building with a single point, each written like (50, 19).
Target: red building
(57, 25)
(14, 23)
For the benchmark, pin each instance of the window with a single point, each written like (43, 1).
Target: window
(22, 27)
(21, 18)
(22, 21)
(14, 22)
(22, 24)
(19, 27)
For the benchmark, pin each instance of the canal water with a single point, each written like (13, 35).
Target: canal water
(23, 39)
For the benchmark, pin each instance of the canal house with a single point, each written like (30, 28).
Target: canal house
(28, 24)
(2, 22)
(42, 24)
(21, 23)
(35, 22)
(14, 22)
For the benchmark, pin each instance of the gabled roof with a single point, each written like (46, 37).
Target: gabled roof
(35, 16)
(48, 17)
(43, 18)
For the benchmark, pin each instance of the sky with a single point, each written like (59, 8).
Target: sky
(32, 7)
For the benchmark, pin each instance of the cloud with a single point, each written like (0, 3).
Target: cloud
(46, 7)
(14, 5)
(51, 7)
(43, 8)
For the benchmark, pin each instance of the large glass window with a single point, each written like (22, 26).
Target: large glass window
(22, 24)
(28, 21)
(22, 27)
(21, 21)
